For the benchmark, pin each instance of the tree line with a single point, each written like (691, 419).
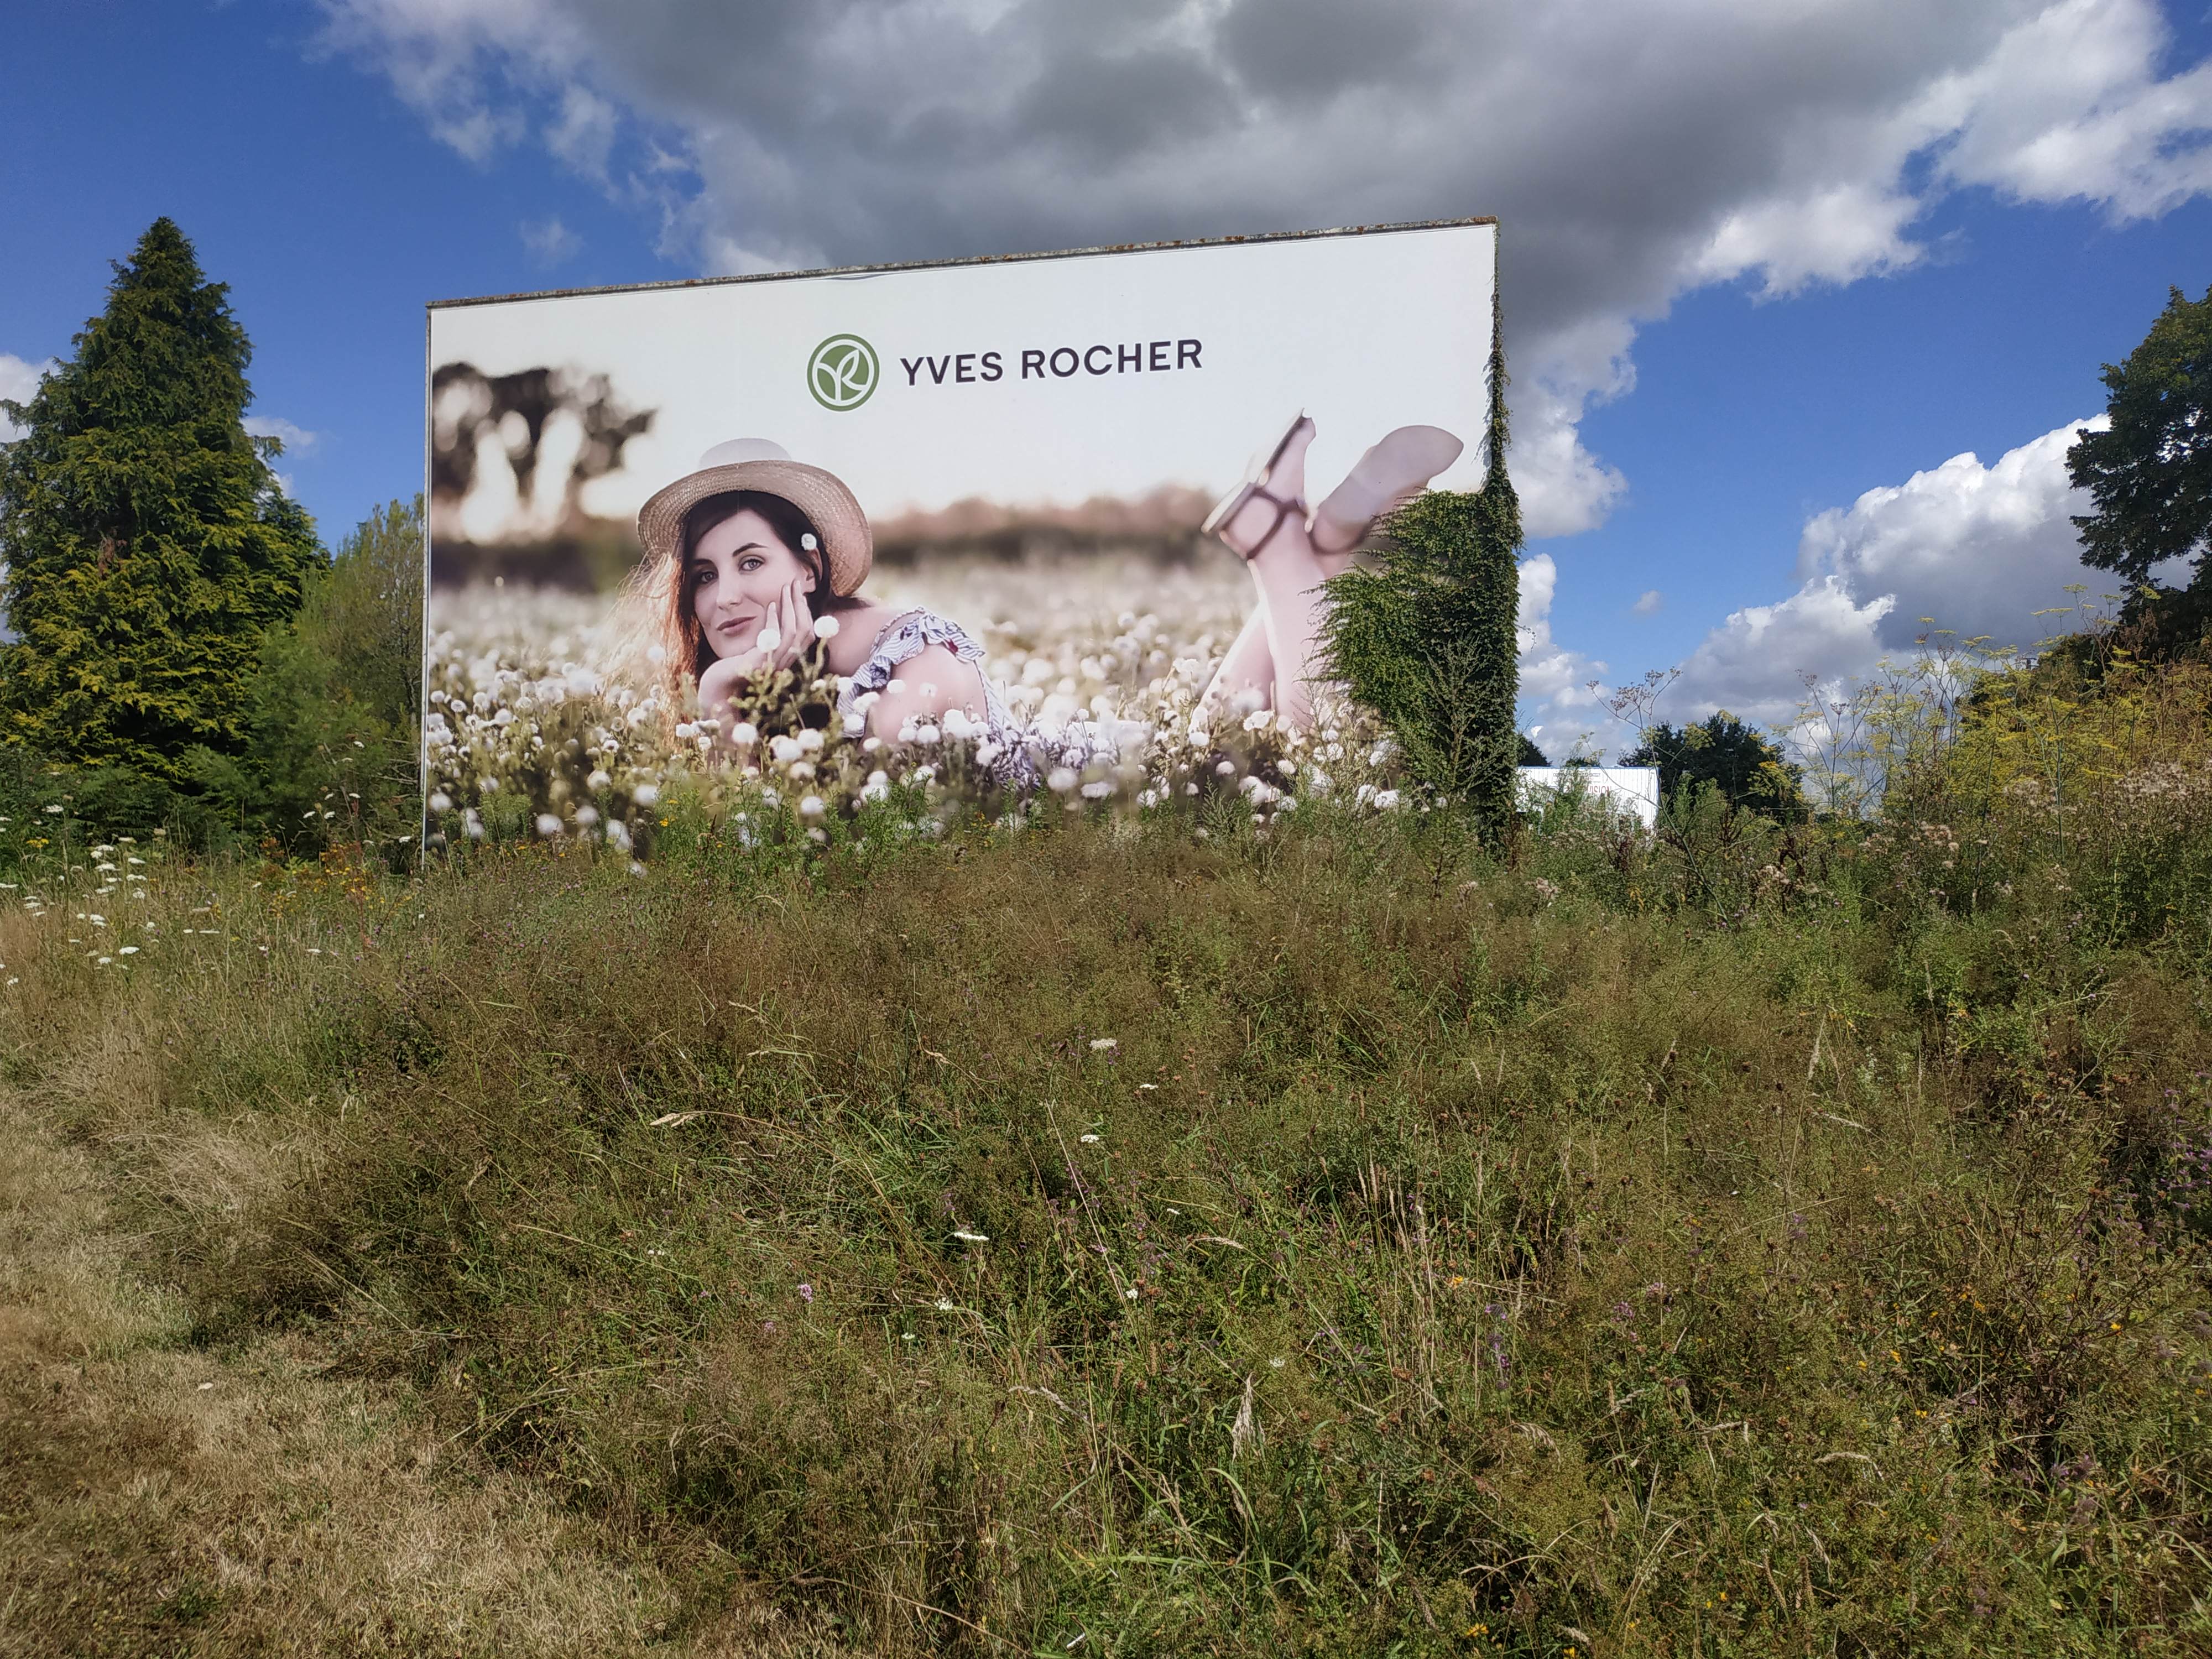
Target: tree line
(185, 655)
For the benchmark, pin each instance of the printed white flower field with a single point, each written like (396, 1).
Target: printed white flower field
(544, 721)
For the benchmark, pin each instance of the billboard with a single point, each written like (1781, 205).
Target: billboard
(1027, 517)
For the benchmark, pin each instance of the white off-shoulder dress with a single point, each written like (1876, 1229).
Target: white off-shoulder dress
(906, 636)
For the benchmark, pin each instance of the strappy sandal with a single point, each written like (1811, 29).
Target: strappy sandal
(1254, 487)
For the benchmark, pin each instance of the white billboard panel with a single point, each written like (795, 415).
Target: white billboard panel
(1026, 450)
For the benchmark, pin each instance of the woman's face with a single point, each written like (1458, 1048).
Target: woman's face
(736, 573)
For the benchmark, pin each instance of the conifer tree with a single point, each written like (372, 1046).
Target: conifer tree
(148, 547)
(1426, 637)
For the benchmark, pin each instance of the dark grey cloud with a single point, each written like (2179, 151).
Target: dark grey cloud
(1633, 150)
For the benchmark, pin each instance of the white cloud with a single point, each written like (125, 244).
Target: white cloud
(1649, 602)
(1634, 150)
(1563, 686)
(296, 439)
(583, 135)
(550, 241)
(1760, 663)
(2069, 108)
(19, 383)
(1976, 550)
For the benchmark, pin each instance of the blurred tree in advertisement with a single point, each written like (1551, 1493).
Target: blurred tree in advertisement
(148, 547)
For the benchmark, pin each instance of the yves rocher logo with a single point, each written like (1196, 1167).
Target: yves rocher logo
(842, 371)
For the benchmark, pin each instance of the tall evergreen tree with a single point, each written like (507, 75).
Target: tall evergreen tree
(1426, 636)
(148, 547)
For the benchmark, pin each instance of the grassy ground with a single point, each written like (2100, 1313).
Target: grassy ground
(1098, 1241)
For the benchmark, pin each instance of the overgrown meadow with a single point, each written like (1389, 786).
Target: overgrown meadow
(1069, 1234)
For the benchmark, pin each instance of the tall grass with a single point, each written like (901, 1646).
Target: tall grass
(1340, 1238)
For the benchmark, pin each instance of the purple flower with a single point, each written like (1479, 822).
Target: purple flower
(807, 1294)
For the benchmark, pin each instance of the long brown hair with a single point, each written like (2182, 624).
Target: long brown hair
(676, 629)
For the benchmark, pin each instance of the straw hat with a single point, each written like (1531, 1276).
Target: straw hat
(757, 464)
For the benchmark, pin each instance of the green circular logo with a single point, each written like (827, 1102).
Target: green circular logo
(841, 372)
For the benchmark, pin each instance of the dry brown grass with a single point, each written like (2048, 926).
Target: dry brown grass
(164, 1498)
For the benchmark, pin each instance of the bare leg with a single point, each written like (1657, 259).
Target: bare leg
(1289, 574)
(1247, 667)
(1284, 626)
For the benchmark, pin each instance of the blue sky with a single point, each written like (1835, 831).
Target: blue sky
(1756, 268)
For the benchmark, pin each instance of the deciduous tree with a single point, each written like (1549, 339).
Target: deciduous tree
(2150, 474)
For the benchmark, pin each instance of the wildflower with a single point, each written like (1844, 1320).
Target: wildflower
(811, 808)
(972, 1238)
(1276, 1363)
(618, 836)
(132, 950)
(1092, 1140)
(599, 779)
(1099, 790)
(770, 637)
(646, 794)
(547, 825)
(783, 750)
(825, 628)
(1104, 1045)
(1060, 780)
(943, 1304)
(1385, 800)
(1226, 769)
(807, 1294)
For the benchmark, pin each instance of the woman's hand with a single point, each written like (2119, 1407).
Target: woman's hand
(788, 626)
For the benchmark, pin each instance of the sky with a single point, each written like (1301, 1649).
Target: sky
(1804, 300)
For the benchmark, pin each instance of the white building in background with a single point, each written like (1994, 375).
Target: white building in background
(1626, 788)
